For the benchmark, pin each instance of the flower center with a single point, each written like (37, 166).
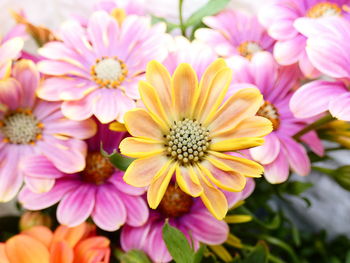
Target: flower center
(98, 168)
(175, 203)
(248, 49)
(109, 72)
(187, 141)
(324, 9)
(270, 112)
(21, 127)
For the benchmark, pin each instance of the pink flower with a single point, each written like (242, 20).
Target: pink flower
(280, 150)
(235, 33)
(196, 53)
(328, 49)
(10, 49)
(98, 191)
(185, 213)
(97, 68)
(131, 7)
(30, 126)
(281, 17)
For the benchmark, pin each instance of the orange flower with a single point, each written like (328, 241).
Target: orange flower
(66, 245)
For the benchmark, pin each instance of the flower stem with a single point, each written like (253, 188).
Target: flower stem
(313, 126)
(182, 25)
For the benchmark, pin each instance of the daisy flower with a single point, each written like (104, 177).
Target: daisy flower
(96, 69)
(40, 244)
(280, 151)
(98, 191)
(280, 18)
(187, 214)
(30, 126)
(130, 7)
(328, 49)
(233, 32)
(184, 130)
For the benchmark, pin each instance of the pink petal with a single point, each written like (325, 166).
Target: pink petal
(137, 210)
(67, 155)
(79, 109)
(340, 107)
(205, 228)
(59, 68)
(249, 188)
(134, 237)
(10, 93)
(288, 52)
(76, 206)
(10, 49)
(307, 67)
(110, 211)
(119, 183)
(41, 167)
(277, 171)
(39, 185)
(313, 98)
(11, 178)
(315, 144)
(267, 152)
(35, 201)
(297, 156)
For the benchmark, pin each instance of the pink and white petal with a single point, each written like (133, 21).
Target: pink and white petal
(79, 109)
(11, 49)
(205, 228)
(339, 107)
(137, 210)
(35, 201)
(39, 185)
(155, 245)
(134, 237)
(313, 98)
(248, 189)
(76, 129)
(109, 212)
(267, 152)
(10, 93)
(314, 142)
(39, 166)
(61, 68)
(307, 68)
(67, 155)
(297, 156)
(277, 171)
(287, 52)
(118, 182)
(76, 206)
(26, 73)
(11, 178)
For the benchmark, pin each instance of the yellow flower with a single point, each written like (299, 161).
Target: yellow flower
(184, 130)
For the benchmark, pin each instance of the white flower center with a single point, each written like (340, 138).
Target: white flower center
(187, 141)
(324, 9)
(21, 128)
(248, 48)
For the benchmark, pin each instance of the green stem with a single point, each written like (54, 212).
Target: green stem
(323, 170)
(182, 25)
(313, 126)
(270, 257)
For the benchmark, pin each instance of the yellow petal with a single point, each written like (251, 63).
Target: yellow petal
(159, 185)
(227, 180)
(25, 249)
(139, 123)
(255, 126)
(188, 181)
(234, 241)
(237, 219)
(205, 83)
(213, 199)
(158, 76)
(222, 252)
(185, 90)
(140, 148)
(141, 172)
(152, 102)
(117, 126)
(240, 165)
(243, 104)
(236, 144)
(217, 90)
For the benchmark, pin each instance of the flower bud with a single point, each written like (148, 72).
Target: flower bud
(30, 219)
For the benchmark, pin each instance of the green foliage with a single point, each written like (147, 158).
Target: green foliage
(118, 160)
(132, 256)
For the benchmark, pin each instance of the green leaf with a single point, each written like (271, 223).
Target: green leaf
(177, 244)
(347, 259)
(118, 160)
(170, 26)
(283, 245)
(134, 256)
(199, 254)
(296, 187)
(258, 255)
(211, 8)
(296, 235)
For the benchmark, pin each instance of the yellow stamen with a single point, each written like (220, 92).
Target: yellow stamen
(324, 9)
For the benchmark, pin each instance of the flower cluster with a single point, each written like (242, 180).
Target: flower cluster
(115, 120)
